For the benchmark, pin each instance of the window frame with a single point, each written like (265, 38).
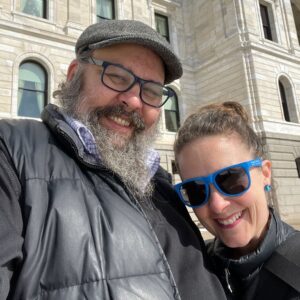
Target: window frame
(284, 103)
(287, 98)
(45, 14)
(167, 27)
(46, 85)
(297, 161)
(268, 30)
(175, 111)
(296, 12)
(99, 17)
(265, 21)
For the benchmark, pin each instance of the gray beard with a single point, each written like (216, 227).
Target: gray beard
(128, 157)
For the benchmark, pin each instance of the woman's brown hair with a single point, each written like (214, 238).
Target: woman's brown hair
(219, 118)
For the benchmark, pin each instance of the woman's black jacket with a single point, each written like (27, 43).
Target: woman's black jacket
(247, 278)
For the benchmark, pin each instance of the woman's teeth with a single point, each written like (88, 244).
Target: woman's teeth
(231, 220)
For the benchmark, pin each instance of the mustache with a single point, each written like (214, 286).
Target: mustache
(118, 110)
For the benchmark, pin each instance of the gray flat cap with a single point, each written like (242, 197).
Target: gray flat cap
(111, 32)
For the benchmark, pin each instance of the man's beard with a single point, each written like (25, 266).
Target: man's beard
(124, 156)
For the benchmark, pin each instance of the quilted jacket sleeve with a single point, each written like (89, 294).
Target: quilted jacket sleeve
(10, 222)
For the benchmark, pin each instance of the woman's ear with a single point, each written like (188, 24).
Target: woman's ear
(72, 69)
(266, 171)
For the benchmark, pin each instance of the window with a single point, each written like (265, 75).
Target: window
(174, 167)
(264, 11)
(34, 7)
(296, 14)
(105, 10)
(172, 114)
(284, 103)
(162, 26)
(297, 160)
(32, 93)
(289, 108)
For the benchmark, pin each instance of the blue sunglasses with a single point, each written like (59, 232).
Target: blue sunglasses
(231, 181)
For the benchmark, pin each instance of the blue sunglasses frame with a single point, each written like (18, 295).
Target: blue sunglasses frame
(211, 179)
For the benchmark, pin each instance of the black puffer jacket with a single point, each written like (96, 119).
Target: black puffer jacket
(246, 278)
(70, 230)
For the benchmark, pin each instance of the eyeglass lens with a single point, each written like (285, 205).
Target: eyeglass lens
(232, 182)
(121, 80)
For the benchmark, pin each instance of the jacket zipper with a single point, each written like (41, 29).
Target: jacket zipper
(227, 275)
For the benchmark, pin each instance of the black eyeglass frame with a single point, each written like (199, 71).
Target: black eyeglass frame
(104, 64)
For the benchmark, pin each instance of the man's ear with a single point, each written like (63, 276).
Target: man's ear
(72, 69)
(267, 172)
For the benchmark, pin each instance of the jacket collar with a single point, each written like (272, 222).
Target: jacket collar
(52, 117)
(251, 263)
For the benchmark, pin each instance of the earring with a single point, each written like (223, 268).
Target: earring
(268, 187)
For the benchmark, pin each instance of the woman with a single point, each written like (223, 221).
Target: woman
(225, 179)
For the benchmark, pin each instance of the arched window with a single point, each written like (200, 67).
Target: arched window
(36, 8)
(172, 114)
(284, 102)
(32, 93)
(297, 160)
(287, 100)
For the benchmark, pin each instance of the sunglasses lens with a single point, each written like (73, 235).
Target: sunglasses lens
(233, 181)
(194, 193)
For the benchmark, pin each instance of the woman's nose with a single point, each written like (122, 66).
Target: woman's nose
(217, 202)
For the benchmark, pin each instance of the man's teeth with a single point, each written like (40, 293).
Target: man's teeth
(231, 220)
(120, 121)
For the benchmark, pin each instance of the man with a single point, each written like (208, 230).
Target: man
(85, 211)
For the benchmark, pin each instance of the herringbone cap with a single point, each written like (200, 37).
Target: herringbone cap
(110, 32)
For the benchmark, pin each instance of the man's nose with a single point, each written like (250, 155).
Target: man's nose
(132, 98)
(217, 202)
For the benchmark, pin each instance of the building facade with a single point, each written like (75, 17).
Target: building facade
(240, 50)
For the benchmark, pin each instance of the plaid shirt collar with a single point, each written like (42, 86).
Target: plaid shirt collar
(88, 141)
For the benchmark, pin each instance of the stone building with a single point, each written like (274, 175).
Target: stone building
(241, 50)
